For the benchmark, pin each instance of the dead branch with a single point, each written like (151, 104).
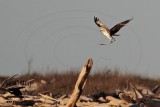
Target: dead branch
(155, 89)
(7, 80)
(79, 86)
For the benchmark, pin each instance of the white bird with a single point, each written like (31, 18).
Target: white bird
(110, 32)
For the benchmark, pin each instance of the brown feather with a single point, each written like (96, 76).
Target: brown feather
(118, 26)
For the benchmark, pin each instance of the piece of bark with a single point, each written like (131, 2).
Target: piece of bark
(79, 86)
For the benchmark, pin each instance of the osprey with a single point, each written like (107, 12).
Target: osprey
(110, 32)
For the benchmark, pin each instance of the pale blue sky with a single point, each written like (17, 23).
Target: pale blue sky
(62, 35)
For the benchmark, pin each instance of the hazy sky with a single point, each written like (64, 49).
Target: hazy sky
(61, 35)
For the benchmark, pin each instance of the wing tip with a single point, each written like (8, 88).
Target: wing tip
(95, 19)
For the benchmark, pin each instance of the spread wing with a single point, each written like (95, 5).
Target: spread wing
(100, 24)
(118, 26)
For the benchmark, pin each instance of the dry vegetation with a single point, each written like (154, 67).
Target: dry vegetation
(100, 81)
(101, 88)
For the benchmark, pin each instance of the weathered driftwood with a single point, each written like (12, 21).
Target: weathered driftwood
(156, 88)
(80, 84)
(48, 97)
(132, 96)
(85, 99)
(114, 101)
(145, 100)
(126, 98)
(95, 97)
(63, 96)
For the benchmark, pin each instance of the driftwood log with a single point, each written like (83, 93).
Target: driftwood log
(79, 86)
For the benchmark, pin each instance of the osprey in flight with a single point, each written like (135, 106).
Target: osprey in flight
(110, 32)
